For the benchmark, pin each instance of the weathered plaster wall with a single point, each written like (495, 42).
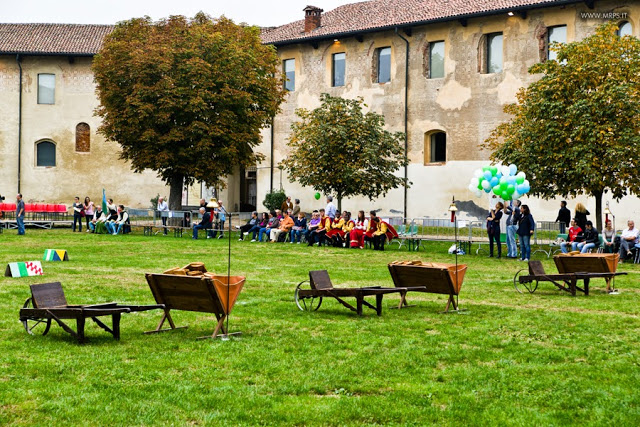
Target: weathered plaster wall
(75, 173)
(465, 104)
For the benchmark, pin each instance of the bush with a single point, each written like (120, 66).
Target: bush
(154, 202)
(273, 200)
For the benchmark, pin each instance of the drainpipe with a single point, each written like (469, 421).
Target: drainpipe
(406, 111)
(18, 61)
(272, 151)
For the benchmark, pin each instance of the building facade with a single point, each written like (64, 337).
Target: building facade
(441, 71)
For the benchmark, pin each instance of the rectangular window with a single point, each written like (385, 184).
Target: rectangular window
(384, 65)
(46, 88)
(436, 60)
(494, 53)
(338, 69)
(438, 147)
(289, 67)
(556, 34)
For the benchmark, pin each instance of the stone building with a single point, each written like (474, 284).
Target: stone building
(49, 148)
(439, 70)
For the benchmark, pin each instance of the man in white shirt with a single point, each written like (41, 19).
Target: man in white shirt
(163, 209)
(330, 209)
(628, 239)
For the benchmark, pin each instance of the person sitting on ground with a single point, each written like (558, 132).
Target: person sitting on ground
(273, 222)
(299, 227)
(591, 239)
(114, 227)
(312, 226)
(98, 216)
(244, 229)
(261, 224)
(283, 228)
(628, 240)
(609, 237)
(204, 224)
(356, 236)
(574, 232)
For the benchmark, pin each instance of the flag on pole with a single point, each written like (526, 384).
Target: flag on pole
(104, 203)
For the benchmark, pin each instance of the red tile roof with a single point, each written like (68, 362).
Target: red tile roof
(379, 14)
(52, 39)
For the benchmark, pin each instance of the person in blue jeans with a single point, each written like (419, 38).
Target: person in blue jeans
(204, 224)
(20, 214)
(591, 239)
(274, 222)
(526, 227)
(256, 228)
(512, 227)
(299, 227)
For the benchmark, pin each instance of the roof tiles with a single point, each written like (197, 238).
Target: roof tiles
(52, 39)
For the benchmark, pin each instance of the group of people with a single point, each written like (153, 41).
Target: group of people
(212, 219)
(114, 221)
(326, 227)
(519, 221)
(587, 238)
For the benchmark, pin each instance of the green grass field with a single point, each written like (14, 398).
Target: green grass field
(509, 359)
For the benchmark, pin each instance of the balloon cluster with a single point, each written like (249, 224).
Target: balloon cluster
(503, 181)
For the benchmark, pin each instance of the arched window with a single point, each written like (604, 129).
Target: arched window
(624, 29)
(435, 147)
(45, 154)
(83, 138)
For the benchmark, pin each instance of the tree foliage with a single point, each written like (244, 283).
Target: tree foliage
(337, 149)
(273, 200)
(186, 97)
(577, 129)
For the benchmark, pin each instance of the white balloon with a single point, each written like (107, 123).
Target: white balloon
(515, 195)
(486, 184)
(475, 182)
(478, 193)
(506, 171)
(513, 169)
(478, 173)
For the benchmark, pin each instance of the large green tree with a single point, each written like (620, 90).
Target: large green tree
(337, 149)
(576, 130)
(186, 97)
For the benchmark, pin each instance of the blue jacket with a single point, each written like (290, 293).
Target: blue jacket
(527, 225)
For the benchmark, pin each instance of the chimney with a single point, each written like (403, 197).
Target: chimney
(312, 18)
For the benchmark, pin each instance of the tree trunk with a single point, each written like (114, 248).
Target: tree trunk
(598, 197)
(175, 192)
(339, 203)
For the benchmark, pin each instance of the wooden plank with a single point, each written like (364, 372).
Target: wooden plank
(48, 295)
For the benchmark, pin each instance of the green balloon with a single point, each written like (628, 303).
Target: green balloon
(494, 170)
(480, 186)
(519, 179)
(506, 195)
(511, 189)
(503, 186)
(485, 168)
(317, 196)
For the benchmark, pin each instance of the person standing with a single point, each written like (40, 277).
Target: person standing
(512, 227)
(88, 212)
(526, 227)
(220, 215)
(296, 208)
(330, 209)
(78, 210)
(163, 209)
(564, 217)
(286, 205)
(493, 228)
(20, 214)
(581, 216)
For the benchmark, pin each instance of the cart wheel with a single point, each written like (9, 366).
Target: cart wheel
(529, 286)
(307, 303)
(32, 323)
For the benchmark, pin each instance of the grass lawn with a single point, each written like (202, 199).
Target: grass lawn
(513, 359)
